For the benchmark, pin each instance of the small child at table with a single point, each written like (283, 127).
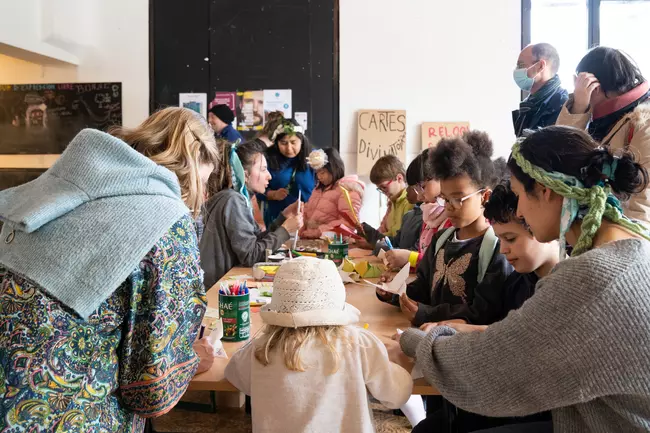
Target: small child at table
(312, 370)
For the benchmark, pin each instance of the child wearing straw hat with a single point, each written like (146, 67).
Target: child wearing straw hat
(311, 369)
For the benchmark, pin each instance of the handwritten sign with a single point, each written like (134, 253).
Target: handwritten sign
(379, 133)
(433, 132)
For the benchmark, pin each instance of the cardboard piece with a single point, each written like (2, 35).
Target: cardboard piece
(379, 133)
(398, 285)
(433, 132)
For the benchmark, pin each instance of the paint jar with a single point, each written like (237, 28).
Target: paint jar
(235, 313)
(337, 252)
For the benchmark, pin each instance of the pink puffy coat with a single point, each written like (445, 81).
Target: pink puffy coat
(324, 209)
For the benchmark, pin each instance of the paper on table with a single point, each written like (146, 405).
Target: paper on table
(398, 285)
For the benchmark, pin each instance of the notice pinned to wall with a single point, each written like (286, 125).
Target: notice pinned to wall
(250, 110)
(379, 133)
(433, 132)
(277, 100)
(194, 101)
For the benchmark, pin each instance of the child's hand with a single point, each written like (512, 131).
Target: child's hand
(396, 355)
(384, 295)
(397, 258)
(363, 244)
(408, 306)
(386, 277)
(278, 194)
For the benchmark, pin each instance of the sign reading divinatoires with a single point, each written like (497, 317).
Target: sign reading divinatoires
(379, 133)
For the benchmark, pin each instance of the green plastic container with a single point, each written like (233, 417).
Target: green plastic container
(236, 317)
(337, 252)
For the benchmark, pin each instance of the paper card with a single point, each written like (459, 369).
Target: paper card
(398, 285)
(347, 278)
(382, 256)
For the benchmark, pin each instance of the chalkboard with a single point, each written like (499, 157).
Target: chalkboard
(209, 46)
(10, 177)
(43, 118)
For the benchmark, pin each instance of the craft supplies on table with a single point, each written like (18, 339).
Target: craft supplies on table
(235, 311)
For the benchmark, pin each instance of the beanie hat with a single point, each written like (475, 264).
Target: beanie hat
(223, 112)
(308, 292)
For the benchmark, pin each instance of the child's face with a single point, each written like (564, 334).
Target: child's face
(521, 249)
(431, 191)
(324, 177)
(392, 188)
(464, 200)
(258, 176)
(412, 195)
(290, 146)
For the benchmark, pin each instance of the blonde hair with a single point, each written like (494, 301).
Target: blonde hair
(290, 342)
(180, 140)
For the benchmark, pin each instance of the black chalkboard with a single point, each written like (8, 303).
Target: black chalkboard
(43, 118)
(209, 46)
(10, 177)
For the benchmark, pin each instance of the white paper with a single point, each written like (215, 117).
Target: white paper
(278, 100)
(382, 256)
(301, 118)
(416, 373)
(398, 285)
(194, 101)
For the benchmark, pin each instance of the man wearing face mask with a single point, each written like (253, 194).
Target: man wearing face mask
(536, 73)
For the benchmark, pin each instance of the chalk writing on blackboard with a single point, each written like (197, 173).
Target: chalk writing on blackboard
(43, 118)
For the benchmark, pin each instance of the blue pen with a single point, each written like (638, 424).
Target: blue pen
(388, 243)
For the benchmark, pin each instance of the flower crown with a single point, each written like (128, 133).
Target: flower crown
(317, 159)
(287, 128)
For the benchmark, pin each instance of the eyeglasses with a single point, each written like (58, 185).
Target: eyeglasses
(418, 188)
(456, 203)
(384, 187)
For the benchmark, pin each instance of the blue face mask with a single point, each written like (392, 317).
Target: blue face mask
(523, 80)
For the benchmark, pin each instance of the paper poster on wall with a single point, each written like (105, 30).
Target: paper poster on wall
(379, 133)
(194, 101)
(301, 118)
(433, 132)
(226, 98)
(277, 100)
(250, 110)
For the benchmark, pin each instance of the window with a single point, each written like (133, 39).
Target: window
(572, 26)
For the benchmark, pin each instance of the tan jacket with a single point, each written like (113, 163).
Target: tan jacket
(638, 207)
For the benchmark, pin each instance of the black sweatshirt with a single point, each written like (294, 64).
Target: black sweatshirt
(446, 286)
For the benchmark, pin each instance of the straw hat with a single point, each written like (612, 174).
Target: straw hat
(308, 292)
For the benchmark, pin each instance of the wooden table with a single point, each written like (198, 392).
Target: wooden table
(383, 320)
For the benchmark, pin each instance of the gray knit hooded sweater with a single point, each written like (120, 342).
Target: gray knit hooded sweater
(579, 347)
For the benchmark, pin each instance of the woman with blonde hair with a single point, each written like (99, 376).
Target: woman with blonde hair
(312, 370)
(101, 282)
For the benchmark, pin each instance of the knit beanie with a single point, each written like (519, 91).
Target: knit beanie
(223, 112)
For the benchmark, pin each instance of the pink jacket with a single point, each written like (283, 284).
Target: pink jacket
(323, 210)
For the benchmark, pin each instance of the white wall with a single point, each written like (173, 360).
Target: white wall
(438, 60)
(110, 39)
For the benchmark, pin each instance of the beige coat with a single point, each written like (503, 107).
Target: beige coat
(638, 207)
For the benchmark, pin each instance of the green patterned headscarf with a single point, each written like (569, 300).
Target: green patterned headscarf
(238, 175)
(599, 202)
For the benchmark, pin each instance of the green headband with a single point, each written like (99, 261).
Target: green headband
(598, 199)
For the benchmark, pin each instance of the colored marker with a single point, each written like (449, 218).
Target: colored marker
(388, 243)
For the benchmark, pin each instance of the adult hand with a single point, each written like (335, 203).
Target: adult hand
(278, 194)
(585, 84)
(386, 277)
(408, 306)
(292, 209)
(397, 258)
(384, 295)
(396, 355)
(293, 223)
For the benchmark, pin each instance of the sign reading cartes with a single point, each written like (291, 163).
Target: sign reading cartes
(433, 132)
(379, 133)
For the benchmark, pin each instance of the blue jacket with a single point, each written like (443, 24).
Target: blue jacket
(533, 115)
(231, 134)
(304, 181)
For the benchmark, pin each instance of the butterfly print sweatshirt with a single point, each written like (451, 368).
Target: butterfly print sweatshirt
(446, 286)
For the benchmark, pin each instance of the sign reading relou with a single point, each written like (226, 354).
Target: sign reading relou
(433, 132)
